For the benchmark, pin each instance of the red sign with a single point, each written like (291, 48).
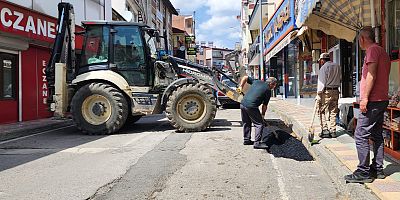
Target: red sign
(27, 23)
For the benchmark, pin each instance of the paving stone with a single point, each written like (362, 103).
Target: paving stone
(396, 176)
(340, 148)
(347, 153)
(387, 186)
(391, 195)
(349, 157)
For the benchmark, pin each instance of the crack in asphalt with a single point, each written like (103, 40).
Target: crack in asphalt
(149, 175)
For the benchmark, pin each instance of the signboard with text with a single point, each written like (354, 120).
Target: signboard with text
(28, 23)
(191, 51)
(281, 23)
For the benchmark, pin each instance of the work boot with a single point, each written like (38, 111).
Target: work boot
(260, 145)
(325, 134)
(248, 142)
(378, 174)
(358, 177)
(333, 134)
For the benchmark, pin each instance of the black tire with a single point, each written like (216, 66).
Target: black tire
(181, 105)
(99, 108)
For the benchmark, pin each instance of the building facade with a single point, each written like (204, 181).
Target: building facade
(298, 31)
(26, 36)
(184, 38)
(155, 13)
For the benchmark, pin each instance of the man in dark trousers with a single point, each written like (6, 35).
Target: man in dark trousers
(258, 93)
(374, 88)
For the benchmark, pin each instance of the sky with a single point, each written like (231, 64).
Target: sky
(215, 20)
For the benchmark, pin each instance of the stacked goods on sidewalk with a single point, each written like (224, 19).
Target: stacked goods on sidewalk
(395, 99)
(395, 123)
(387, 140)
(386, 120)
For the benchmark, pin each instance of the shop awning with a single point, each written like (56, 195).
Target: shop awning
(284, 42)
(341, 18)
(255, 61)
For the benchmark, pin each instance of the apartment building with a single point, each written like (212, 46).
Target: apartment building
(155, 13)
(184, 38)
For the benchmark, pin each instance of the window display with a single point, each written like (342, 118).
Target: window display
(308, 86)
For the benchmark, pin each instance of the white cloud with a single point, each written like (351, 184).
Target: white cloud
(188, 6)
(222, 26)
(218, 7)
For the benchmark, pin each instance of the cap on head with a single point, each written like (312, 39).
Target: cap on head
(324, 56)
(271, 80)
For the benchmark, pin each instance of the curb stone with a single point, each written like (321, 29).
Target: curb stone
(20, 129)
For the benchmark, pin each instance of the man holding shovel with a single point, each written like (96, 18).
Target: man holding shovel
(258, 93)
(329, 79)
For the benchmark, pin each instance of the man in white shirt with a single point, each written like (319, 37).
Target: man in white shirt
(329, 79)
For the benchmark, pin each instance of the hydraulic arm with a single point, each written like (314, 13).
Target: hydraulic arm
(64, 47)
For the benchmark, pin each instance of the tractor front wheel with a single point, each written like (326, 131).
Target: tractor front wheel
(191, 107)
(99, 108)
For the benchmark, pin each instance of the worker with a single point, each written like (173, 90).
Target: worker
(374, 88)
(329, 78)
(258, 93)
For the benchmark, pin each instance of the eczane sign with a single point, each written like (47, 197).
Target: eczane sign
(28, 23)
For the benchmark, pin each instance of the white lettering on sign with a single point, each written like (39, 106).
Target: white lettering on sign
(27, 23)
(44, 86)
(51, 29)
(3, 13)
(30, 26)
(41, 27)
(17, 22)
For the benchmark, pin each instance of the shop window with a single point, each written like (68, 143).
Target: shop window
(394, 28)
(8, 76)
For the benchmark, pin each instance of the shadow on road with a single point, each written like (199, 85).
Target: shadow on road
(284, 145)
(224, 122)
(24, 150)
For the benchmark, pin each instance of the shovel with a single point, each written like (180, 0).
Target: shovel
(312, 129)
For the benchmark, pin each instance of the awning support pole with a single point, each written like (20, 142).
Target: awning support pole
(261, 77)
(373, 21)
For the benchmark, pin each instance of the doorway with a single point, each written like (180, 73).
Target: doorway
(9, 86)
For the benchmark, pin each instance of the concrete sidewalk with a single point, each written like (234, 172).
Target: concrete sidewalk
(338, 156)
(20, 129)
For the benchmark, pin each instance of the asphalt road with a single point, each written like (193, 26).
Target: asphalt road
(149, 160)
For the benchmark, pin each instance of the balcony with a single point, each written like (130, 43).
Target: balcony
(254, 20)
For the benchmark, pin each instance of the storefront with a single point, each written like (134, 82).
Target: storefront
(281, 49)
(25, 40)
(339, 23)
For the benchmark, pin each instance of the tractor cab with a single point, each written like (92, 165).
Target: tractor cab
(123, 47)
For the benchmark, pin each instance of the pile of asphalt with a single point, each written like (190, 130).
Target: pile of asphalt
(284, 145)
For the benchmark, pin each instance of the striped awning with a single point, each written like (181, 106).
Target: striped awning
(341, 18)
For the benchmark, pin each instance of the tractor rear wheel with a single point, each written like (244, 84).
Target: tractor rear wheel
(191, 108)
(99, 108)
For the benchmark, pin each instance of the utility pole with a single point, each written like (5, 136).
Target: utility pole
(194, 23)
(261, 41)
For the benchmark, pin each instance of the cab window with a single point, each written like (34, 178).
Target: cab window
(129, 55)
(128, 48)
(96, 45)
